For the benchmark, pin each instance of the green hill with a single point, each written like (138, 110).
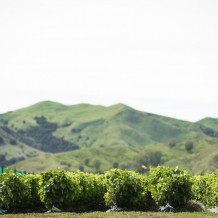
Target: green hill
(13, 151)
(95, 138)
(210, 124)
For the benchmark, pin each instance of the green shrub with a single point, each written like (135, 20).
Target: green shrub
(81, 191)
(169, 185)
(59, 188)
(92, 191)
(189, 145)
(32, 199)
(126, 189)
(12, 191)
(205, 189)
(172, 143)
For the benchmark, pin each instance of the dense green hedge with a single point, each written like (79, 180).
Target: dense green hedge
(72, 191)
(19, 192)
(205, 189)
(170, 185)
(59, 188)
(129, 190)
(92, 190)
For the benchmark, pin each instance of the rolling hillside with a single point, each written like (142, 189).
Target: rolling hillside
(96, 138)
(211, 124)
(13, 151)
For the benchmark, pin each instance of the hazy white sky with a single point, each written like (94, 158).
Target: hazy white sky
(153, 55)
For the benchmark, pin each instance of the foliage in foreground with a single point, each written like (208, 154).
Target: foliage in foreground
(205, 189)
(78, 191)
(71, 191)
(19, 192)
(170, 185)
(127, 189)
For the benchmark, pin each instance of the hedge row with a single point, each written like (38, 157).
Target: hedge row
(129, 190)
(205, 189)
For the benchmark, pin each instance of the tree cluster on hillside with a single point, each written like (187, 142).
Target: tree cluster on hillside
(8, 162)
(41, 137)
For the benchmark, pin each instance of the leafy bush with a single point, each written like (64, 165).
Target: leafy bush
(189, 146)
(92, 191)
(81, 191)
(32, 199)
(205, 189)
(172, 143)
(169, 185)
(126, 189)
(97, 164)
(12, 191)
(59, 188)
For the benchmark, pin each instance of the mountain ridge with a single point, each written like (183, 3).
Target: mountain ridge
(51, 127)
(53, 103)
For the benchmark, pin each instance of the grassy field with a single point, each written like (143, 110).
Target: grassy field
(114, 215)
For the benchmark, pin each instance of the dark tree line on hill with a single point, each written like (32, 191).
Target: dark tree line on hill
(5, 162)
(41, 137)
(208, 131)
(1, 141)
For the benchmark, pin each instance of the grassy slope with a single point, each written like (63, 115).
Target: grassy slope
(91, 125)
(200, 161)
(206, 157)
(107, 156)
(210, 122)
(19, 149)
(113, 134)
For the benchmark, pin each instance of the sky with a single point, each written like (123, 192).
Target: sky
(153, 55)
